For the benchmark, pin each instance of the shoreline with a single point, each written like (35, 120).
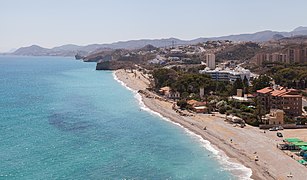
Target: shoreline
(238, 155)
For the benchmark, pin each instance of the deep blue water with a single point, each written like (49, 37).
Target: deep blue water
(61, 119)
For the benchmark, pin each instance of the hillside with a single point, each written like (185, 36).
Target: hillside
(238, 52)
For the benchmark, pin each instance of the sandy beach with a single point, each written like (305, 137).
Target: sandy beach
(241, 145)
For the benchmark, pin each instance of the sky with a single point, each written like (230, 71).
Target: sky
(51, 23)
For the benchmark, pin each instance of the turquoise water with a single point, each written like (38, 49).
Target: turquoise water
(61, 119)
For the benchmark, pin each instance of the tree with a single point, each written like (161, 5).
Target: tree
(261, 82)
(259, 111)
(191, 83)
(245, 85)
(238, 84)
(164, 77)
(182, 104)
(286, 77)
(221, 104)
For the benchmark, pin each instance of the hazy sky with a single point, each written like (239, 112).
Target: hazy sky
(51, 23)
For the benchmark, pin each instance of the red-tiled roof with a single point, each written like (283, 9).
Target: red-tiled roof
(195, 103)
(278, 92)
(265, 90)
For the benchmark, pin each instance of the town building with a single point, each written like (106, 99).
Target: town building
(220, 74)
(198, 107)
(169, 93)
(297, 53)
(288, 100)
(241, 97)
(274, 57)
(210, 60)
(291, 54)
(275, 117)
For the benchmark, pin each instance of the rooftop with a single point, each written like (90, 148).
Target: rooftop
(265, 90)
(280, 92)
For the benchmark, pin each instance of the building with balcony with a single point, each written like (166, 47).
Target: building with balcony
(220, 74)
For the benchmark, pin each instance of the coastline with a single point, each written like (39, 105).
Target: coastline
(237, 156)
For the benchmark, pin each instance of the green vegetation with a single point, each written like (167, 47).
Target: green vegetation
(164, 77)
(288, 75)
(182, 104)
(191, 83)
(261, 82)
(188, 82)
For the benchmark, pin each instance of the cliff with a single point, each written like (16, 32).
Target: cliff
(114, 65)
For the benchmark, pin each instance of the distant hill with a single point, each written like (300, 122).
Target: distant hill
(301, 28)
(68, 47)
(33, 50)
(71, 50)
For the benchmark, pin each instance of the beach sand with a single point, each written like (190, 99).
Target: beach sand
(241, 145)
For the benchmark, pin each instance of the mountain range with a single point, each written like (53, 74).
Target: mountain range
(72, 50)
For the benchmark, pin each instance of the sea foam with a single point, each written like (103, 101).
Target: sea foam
(239, 170)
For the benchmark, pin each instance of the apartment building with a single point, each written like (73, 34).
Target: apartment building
(292, 54)
(288, 100)
(210, 60)
(226, 74)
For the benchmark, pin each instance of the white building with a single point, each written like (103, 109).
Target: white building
(220, 74)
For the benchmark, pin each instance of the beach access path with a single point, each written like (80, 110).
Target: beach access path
(241, 145)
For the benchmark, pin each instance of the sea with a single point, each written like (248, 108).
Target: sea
(62, 119)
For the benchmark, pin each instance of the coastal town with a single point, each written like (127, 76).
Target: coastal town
(245, 95)
(162, 90)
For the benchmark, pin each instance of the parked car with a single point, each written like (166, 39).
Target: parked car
(280, 128)
(273, 129)
(279, 134)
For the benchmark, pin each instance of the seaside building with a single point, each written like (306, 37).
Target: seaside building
(276, 116)
(169, 93)
(198, 107)
(288, 100)
(210, 60)
(220, 74)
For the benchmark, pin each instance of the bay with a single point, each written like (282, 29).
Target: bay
(61, 119)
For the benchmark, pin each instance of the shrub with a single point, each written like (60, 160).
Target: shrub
(182, 104)
(222, 110)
